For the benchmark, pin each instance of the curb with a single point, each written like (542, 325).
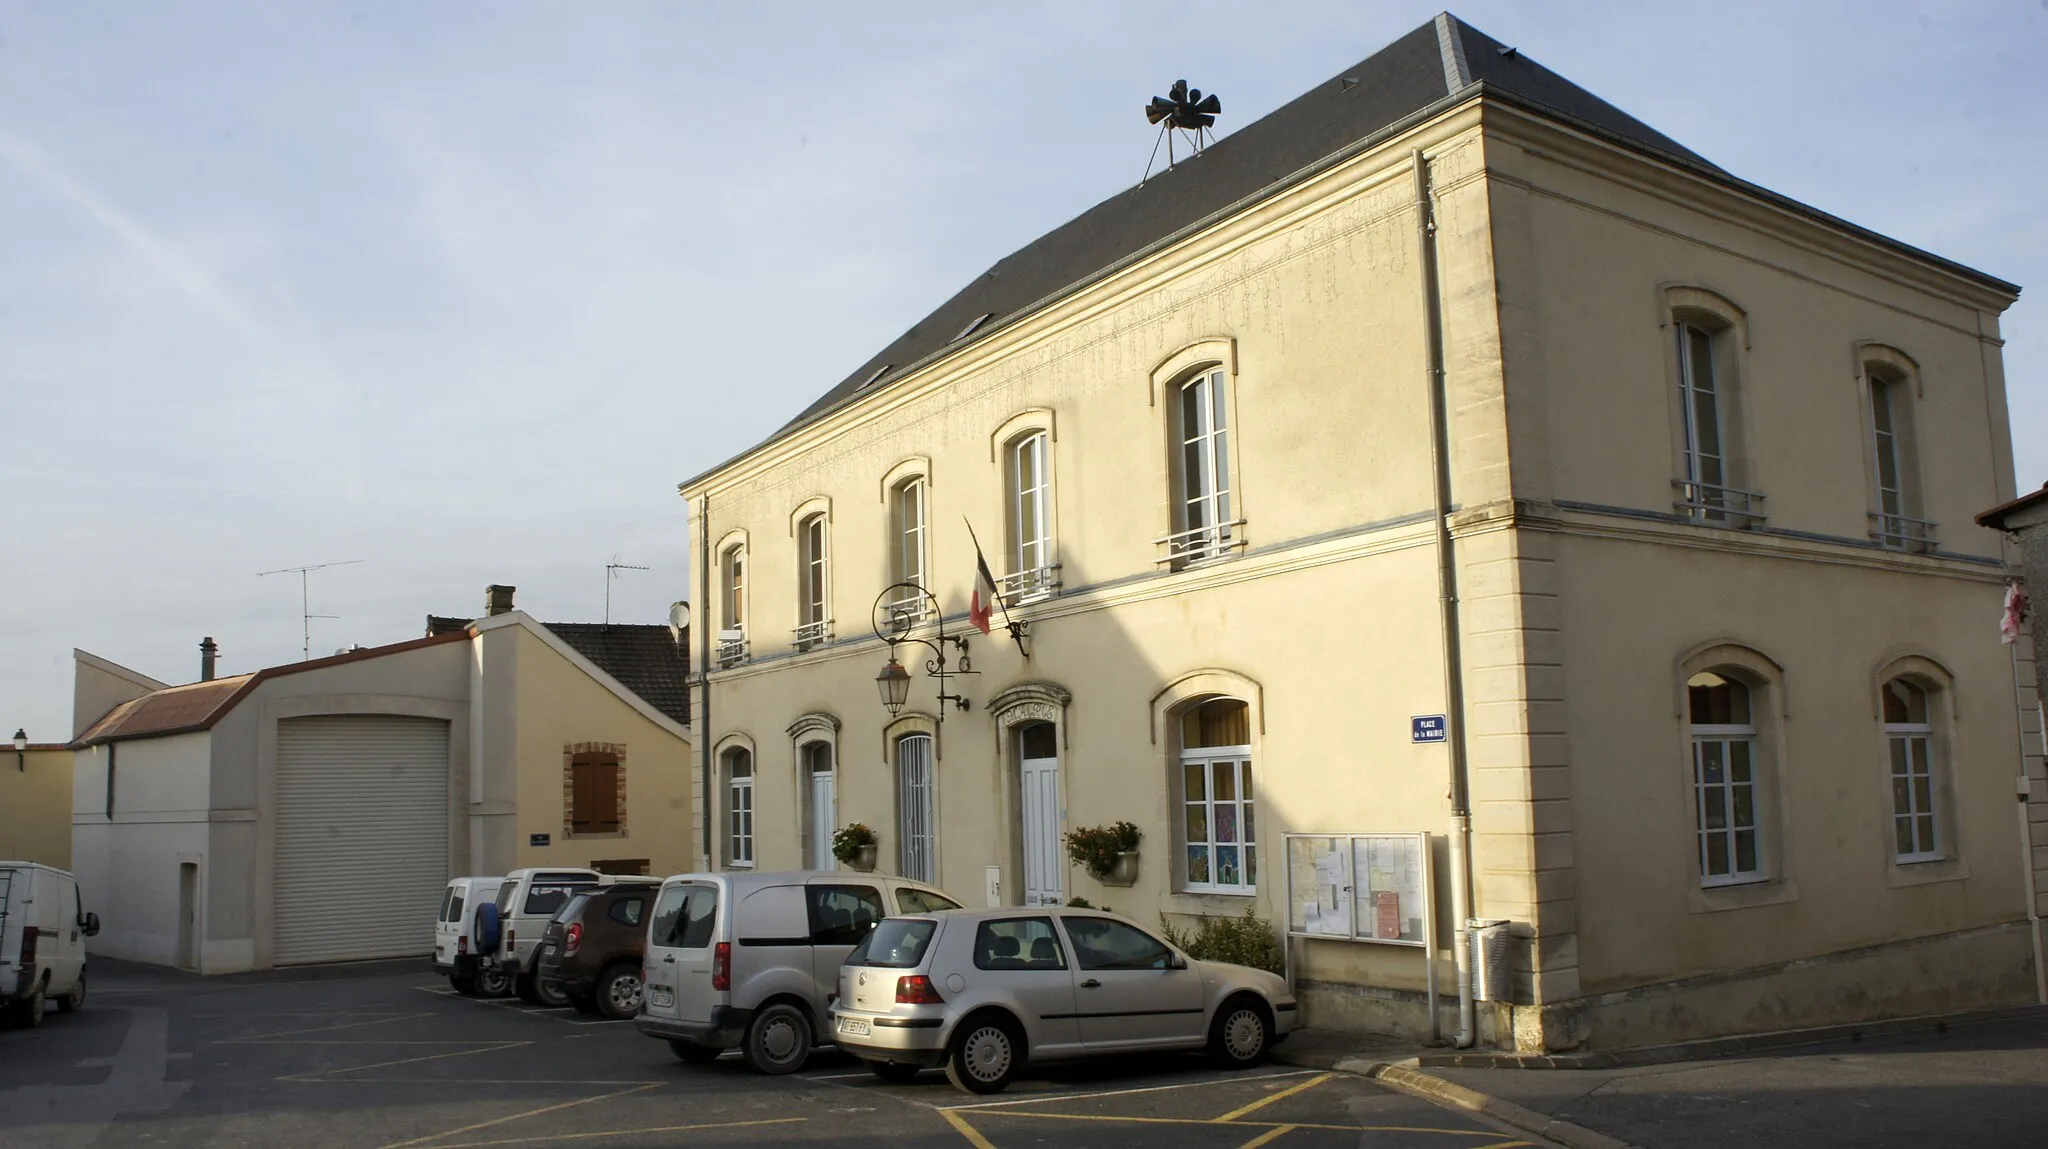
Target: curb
(1433, 1088)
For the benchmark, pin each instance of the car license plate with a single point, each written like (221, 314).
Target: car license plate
(853, 1025)
(661, 995)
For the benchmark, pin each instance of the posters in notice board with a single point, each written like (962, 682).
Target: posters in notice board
(1319, 876)
(1362, 887)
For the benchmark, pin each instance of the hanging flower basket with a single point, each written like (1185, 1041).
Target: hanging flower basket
(854, 845)
(1108, 853)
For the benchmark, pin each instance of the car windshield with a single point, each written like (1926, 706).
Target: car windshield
(916, 901)
(897, 943)
(506, 893)
(546, 901)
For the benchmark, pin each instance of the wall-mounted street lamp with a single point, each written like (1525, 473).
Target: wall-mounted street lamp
(21, 749)
(898, 610)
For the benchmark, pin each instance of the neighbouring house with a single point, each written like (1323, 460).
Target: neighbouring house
(35, 802)
(1447, 453)
(314, 811)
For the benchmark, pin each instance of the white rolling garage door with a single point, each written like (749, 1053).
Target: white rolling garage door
(362, 837)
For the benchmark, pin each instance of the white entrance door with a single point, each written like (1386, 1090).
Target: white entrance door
(823, 807)
(1039, 810)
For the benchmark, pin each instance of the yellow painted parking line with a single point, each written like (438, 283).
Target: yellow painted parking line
(588, 1135)
(1270, 1098)
(328, 1028)
(330, 1073)
(513, 1117)
(960, 1124)
(1200, 1124)
(1072, 1096)
(324, 1041)
(1268, 1137)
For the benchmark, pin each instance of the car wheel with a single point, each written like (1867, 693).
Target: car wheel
(693, 1053)
(1240, 1034)
(29, 1010)
(987, 1053)
(465, 984)
(893, 1070)
(619, 992)
(549, 992)
(492, 982)
(524, 989)
(75, 1000)
(778, 1040)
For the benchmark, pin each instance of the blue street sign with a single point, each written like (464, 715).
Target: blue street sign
(1428, 728)
(537, 839)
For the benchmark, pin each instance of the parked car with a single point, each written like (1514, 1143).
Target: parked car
(982, 992)
(747, 960)
(456, 953)
(527, 900)
(43, 927)
(591, 952)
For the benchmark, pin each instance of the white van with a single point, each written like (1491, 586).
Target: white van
(455, 950)
(527, 900)
(43, 927)
(749, 960)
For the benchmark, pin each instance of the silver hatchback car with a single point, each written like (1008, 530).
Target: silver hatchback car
(983, 991)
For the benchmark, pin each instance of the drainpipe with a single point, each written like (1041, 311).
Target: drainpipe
(2027, 833)
(1447, 595)
(703, 715)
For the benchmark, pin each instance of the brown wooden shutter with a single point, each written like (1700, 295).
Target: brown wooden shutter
(605, 787)
(582, 804)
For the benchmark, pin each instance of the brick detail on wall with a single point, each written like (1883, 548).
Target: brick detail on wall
(569, 752)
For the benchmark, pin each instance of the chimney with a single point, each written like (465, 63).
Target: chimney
(498, 599)
(208, 652)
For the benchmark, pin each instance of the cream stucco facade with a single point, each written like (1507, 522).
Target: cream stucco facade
(35, 805)
(1586, 599)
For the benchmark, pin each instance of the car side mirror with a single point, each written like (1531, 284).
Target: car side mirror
(90, 927)
(1176, 962)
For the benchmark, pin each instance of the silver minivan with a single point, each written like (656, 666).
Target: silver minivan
(750, 960)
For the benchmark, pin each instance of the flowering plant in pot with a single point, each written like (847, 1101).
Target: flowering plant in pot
(1108, 853)
(854, 845)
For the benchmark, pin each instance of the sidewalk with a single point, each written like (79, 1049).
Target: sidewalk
(1977, 1079)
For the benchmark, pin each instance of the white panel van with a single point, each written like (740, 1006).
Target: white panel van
(456, 953)
(43, 927)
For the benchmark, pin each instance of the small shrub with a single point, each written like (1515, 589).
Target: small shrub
(1085, 904)
(847, 841)
(1095, 848)
(1246, 940)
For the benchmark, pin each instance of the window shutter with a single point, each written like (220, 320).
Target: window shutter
(605, 808)
(582, 800)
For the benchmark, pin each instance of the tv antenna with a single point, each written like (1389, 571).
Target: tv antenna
(611, 571)
(1182, 109)
(306, 615)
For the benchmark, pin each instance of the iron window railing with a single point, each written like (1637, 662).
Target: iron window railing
(1728, 506)
(1201, 545)
(1902, 533)
(731, 651)
(1030, 585)
(813, 634)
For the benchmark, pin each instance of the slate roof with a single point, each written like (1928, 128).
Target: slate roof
(646, 659)
(1439, 65)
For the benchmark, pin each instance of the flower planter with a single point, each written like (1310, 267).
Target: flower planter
(1124, 872)
(863, 858)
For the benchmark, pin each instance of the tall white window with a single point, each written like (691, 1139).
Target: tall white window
(1893, 523)
(820, 804)
(732, 637)
(1218, 829)
(1910, 736)
(1205, 527)
(739, 808)
(911, 530)
(1706, 461)
(814, 622)
(1034, 571)
(1724, 770)
(916, 813)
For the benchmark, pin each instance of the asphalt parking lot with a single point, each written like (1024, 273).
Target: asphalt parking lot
(387, 1057)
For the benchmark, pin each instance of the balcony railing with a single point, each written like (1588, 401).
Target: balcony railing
(1201, 545)
(1901, 533)
(813, 634)
(1031, 585)
(907, 612)
(732, 649)
(1727, 506)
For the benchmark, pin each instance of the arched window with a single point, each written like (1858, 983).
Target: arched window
(1909, 735)
(732, 636)
(909, 530)
(1218, 829)
(1894, 521)
(917, 827)
(813, 580)
(1711, 333)
(1033, 568)
(1205, 527)
(1725, 785)
(820, 792)
(739, 807)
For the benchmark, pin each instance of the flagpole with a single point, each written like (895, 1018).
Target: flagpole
(1016, 629)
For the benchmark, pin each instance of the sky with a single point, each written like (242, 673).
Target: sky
(463, 290)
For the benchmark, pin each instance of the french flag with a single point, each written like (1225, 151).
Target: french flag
(984, 599)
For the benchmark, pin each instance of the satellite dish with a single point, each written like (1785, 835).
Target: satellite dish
(678, 620)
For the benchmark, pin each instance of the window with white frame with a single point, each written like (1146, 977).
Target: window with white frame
(1725, 786)
(739, 807)
(909, 525)
(814, 622)
(1033, 570)
(1204, 525)
(1910, 738)
(1218, 830)
(916, 809)
(1704, 494)
(732, 637)
(1894, 524)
